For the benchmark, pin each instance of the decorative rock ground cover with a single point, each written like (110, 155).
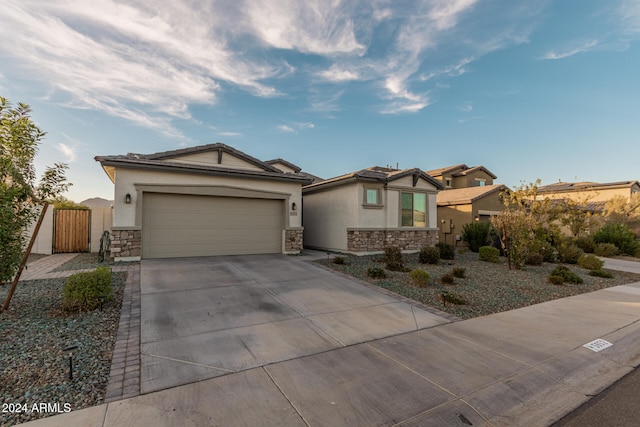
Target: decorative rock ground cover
(487, 288)
(33, 366)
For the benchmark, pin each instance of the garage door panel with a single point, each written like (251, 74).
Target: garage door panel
(184, 225)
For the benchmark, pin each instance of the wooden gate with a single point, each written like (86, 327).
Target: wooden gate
(71, 230)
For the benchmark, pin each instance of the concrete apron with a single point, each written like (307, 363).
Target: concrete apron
(207, 317)
(522, 367)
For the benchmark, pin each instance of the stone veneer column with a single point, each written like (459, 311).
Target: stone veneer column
(293, 240)
(126, 243)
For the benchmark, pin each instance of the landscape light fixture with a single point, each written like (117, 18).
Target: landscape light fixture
(127, 198)
(70, 351)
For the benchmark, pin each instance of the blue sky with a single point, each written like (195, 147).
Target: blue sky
(529, 89)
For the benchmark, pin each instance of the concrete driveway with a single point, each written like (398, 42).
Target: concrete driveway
(206, 317)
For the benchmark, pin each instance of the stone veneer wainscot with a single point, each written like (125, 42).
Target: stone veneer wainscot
(375, 239)
(126, 244)
(293, 241)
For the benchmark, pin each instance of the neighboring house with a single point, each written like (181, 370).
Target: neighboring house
(365, 211)
(465, 205)
(589, 192)
(200, 201)
(469, 195)
(287, 167)
(463, 176)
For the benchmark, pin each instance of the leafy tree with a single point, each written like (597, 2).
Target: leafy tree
(62, 202)
(574, 214)
(624, 211)
(20, 195)
(526, 226)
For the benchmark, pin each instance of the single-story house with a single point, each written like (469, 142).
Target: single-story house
(584, 192)
(463, 176)
(457, 207)
(366, 210)
(201, 201)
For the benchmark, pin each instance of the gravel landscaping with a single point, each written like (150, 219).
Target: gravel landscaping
(33, 366)
(486, 288)
(85, 261)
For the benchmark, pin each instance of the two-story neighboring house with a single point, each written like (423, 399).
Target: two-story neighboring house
(590, 191)
(469, 195)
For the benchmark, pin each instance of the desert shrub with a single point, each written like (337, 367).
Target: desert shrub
(87, 290)
(568, 252)
(555, 280)
(606, 249)
(429, 255)
(338, 260)
(446, 251)
(601, 273)
(534, 259)
(620, 235)
(586, 243)
(590, 262)
(476, 234)
(420, 277)
(452, 298)
(568, 275)
(376, 273)
(393, 258)
(459, 272)
(489, 254)
(447, 279)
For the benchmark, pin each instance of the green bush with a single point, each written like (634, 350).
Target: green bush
(420, 278)
(87, 290)
(447, 251)
(429, 255)
(489, 254)
(534, 259)
(459, 272)
(601, 273)
(393, 258)
(590, 262)
(568, 252)
(376, 273)
(606, 249)
(447, 279)
(619, 235)
(555, 280)
(586, 243)
(476, 234)
(568, 275)
(338, 260)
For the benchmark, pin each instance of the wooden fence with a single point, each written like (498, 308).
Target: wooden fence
(71, 230)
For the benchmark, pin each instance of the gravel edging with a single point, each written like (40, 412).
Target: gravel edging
(33, 366)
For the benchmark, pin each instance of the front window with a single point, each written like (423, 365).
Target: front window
(414, 210)
(480, 182)
(447, 182)
(372, 196)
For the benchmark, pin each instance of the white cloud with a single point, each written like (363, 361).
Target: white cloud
(230, 134)
(68, 151)
(583, 47)
(467, 107)
(286, 129)
(307, 125)
(336, 74)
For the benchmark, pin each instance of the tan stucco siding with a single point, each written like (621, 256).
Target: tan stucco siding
(469, 180)
(282, 167)
(598, 195)
(490, 202)
(130, 180)
(210, 158)
(458, 215)
(328, 214)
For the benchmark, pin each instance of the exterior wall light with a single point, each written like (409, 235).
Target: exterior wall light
(293, 206)
(127, 198)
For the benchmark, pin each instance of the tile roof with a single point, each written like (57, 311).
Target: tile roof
(583, 186)
(463, 196)
(376, 173)
(284, 162)
(442, 171)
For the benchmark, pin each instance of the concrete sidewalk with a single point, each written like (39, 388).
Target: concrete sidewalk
(523, 367)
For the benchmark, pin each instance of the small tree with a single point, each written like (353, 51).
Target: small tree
(624, 211)
(20, 196)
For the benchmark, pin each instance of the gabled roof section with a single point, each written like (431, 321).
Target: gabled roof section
(439, 172)
(474, 169)
(560, 187)
(170, 161)
(295, 168)
(376, 174)
(465, 196)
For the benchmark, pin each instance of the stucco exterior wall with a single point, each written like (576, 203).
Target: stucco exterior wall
(210, 158)
(597, 195)
(469, 180)
(130, 181)
(456, 215)
(327, 215)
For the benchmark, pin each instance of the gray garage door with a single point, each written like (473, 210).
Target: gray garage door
(178, 225)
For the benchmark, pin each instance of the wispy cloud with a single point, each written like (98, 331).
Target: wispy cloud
(467, 107)
(582, 47)
(68, 151)
(336, 74)
(286, 129)
(230, 134)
